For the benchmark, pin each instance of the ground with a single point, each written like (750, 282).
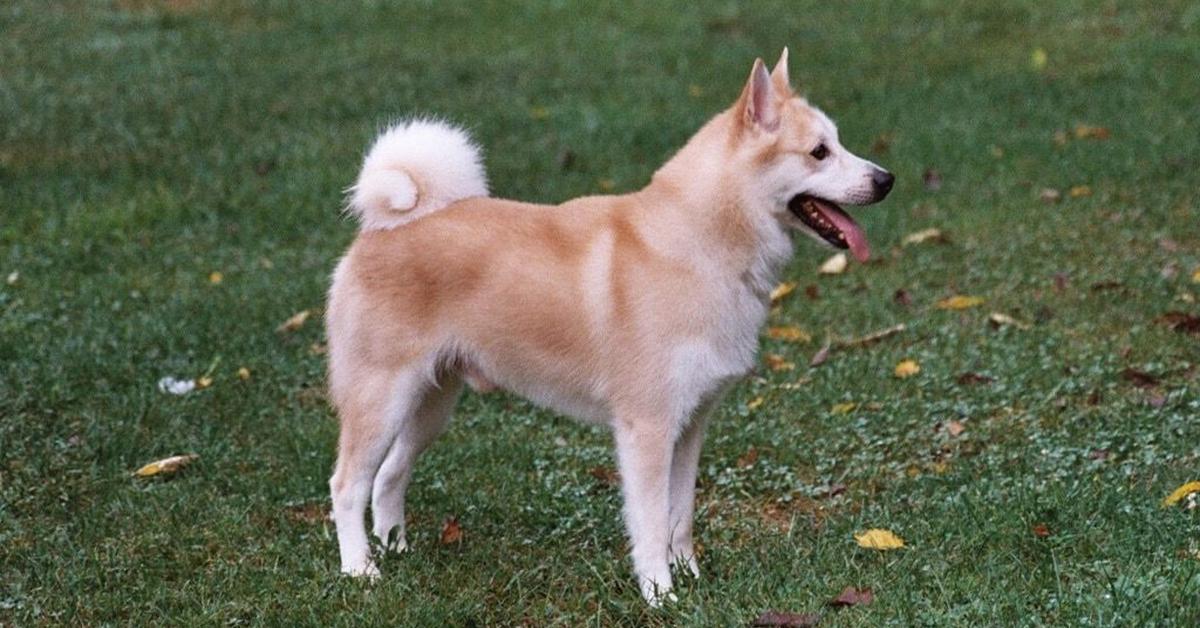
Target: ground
(147, 145)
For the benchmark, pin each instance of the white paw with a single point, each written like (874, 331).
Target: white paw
(657, 592)
(687, 561)
(366, 570)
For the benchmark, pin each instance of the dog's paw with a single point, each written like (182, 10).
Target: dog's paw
(656, 593)
(366, 570)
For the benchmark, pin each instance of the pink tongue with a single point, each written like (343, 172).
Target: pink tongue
(854, 234)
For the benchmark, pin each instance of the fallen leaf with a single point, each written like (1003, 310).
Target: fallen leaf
(1196, 276)
(1080, 191)
(605, 475)
(878, 538)
(835, 265)
(932, 180)
(15, 276)
(902, 297)
(778, 619)
(814, 293)
(1111, 284)
(1084, 131)
(176, 386)
(955, 428)
(243, 373)
(749, 458)
(451, 531)
(788, 334)
(924, 235)
(296, 321)
(204, 382)
(782, 290)
(843, 408)
(307, 511)
(1178, 494)
(165, 466)
(999, 319)
(215, 277)
(755, 403)
(1038, 59)
(853, 597)
(1061, 281)
(907, 368)
(820, 356)
(1040, 530)
(1050, 195)
(1061, 138)
(959, 302)
(1181, 322)
(776, 362)
(1138, 378)
(874, 337)
(318, 348)
(970, 378)
(539, 113)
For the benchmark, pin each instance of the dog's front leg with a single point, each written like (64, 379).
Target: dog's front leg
(684, 465)
(644, 450)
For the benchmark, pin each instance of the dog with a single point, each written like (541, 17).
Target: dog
(636, 311)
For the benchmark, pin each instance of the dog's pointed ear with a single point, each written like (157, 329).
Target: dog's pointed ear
(758, 107)
(779, 76)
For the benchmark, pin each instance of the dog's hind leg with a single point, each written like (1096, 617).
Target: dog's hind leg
(417, 430)
(373, 408)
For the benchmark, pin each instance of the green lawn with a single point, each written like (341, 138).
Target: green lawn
(145, 145)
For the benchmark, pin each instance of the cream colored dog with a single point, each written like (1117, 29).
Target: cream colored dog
(636, 311)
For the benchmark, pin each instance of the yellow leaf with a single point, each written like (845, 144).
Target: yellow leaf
(843, 408)
(1080, 191)
(923, 235)
(788, 334)
(204, 381)
(1196, 276)
(1181, 492)
(215, 277)
(907, 368)
(940, 467)
(880, 539)
(782, 290)
(958, 302)
(166, 465)
(243, 373)
(776, 362)
(1038, 59)
(295, 322)
(754, 403)
(834, 265)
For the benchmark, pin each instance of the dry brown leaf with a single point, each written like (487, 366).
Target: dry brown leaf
(1084, 131)
(1181, 322)
(215, 277)
(879, 538)
(776, 362)
(955, 428)
(779, 619)
(1040, 530)
(959, 302)
(835, 265)
(243, 373)
(851, 596)
(749, 458)
(782, 290)
(1080, 191)
(165, 466)
(1196, 276)
(788, 334)
(451, 531)
(906, 368)
(969, 378)
(1141, 379)
(296, 321)
(820, 356)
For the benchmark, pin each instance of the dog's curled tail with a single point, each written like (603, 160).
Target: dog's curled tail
(416, 168)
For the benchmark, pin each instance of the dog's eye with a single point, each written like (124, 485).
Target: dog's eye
(820, 152)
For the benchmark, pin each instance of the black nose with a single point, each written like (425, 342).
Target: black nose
(883, 180)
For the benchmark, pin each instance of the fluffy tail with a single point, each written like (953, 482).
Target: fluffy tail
(413, 169)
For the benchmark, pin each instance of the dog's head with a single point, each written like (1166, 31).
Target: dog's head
(802, 174)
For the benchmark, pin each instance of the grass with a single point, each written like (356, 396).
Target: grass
(146, 144)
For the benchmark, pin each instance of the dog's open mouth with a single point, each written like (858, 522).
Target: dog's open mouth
(831, 223)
